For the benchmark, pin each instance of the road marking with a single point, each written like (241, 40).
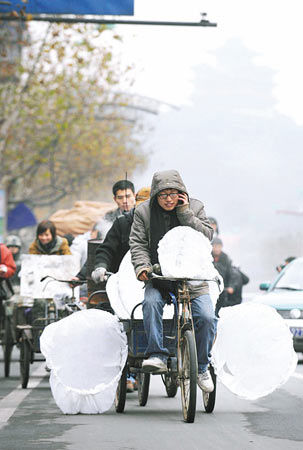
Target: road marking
(297, 375)
(10, 403)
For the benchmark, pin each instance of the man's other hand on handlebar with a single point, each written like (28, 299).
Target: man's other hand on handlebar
(99, 275)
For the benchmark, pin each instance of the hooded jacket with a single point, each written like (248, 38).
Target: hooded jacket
(61, 248)
(192, 215)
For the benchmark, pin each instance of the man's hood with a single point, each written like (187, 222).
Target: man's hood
(167, 179)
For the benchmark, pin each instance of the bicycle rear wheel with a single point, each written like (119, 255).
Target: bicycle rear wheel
(188, 369)
(143, 387)
(209, 399)
(121, 392)
(171, 384)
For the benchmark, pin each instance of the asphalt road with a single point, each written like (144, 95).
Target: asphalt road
(30, 419)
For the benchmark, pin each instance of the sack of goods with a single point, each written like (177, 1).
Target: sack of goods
(86, 353)
(253, 354)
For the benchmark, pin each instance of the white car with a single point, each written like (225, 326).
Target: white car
(285, 294)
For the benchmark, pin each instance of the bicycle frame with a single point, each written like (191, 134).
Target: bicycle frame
(184, 318)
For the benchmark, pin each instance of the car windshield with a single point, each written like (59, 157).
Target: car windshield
(292, 277)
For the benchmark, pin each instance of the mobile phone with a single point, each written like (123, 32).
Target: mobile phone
(180, 202)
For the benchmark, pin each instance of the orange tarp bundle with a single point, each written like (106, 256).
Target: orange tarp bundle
(81, 217)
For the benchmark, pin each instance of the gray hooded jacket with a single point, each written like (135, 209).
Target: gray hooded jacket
(192, 215)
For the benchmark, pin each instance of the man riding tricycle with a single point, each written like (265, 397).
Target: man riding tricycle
(169, 207)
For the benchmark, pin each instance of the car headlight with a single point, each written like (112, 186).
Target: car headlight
(295, 313)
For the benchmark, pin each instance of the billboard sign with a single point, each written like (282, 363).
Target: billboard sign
(81, 7)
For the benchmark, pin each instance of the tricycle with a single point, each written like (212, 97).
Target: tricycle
(182, 366)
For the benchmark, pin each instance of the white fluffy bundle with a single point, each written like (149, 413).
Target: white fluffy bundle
(183, 252)
(253, 353)
(186, 253)
(86, 353)
(125, 292)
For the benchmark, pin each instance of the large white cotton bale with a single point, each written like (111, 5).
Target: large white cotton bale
(183, 253)
(131, 290)
(253, 354)
(113, 294)
(86, 353)
(186, 253)
(125, 291)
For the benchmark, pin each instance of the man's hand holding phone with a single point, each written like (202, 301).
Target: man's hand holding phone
(183, 199)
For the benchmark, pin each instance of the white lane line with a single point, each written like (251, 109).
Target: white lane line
(297, 375)
(10, 402)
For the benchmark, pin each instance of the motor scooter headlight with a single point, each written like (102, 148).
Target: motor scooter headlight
(295, 313)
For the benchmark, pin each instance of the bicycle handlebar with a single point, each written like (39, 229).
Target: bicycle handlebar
(109, 273)
(161, 277)
(75, 282)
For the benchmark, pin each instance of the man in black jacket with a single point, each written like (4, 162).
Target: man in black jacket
(223, 265)
(110, 253)
(237, 280)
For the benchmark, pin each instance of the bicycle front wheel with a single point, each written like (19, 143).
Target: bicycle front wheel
(188, 369)
(171, 384)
